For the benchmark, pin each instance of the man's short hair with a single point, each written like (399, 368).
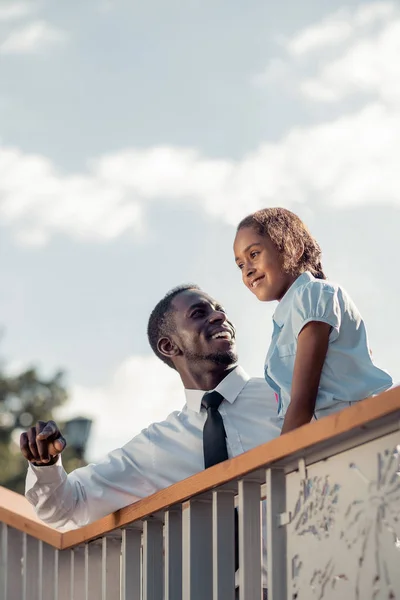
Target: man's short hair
(161, 323)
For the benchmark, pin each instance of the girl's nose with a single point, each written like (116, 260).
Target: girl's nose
(250, 271)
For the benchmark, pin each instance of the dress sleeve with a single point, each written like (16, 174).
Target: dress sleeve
(316, 301)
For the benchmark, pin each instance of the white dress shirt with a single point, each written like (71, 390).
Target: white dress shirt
(348, 374)
(159, 456)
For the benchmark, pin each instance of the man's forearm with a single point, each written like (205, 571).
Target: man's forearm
(91, 492)
(55, 498)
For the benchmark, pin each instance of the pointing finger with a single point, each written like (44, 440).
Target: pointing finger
(49, 430)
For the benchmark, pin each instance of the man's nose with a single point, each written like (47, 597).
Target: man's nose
(217, 315)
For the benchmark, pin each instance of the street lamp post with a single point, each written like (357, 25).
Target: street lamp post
(76, 432)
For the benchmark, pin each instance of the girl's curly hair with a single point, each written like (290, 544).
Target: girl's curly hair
(289, 234)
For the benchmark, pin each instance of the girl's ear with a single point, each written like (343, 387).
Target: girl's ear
(167, 347)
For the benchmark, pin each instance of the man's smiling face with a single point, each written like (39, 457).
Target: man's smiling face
(202, 330)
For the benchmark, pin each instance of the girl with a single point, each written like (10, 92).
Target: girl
(319, 360)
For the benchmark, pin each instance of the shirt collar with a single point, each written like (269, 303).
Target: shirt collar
(283, 308)
(230, 388)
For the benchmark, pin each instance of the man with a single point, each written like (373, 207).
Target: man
(191, 333)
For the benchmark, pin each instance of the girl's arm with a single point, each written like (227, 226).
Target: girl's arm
(312, 346)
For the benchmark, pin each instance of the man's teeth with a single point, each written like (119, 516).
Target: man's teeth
(222, 334)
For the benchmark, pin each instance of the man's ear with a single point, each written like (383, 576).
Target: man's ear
(167, 347)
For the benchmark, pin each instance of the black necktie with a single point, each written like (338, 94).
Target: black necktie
(214, 435)
(214, 445)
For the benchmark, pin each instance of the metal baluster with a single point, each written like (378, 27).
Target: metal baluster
(62, 580)
(249, 540)
(56, 566)
(110, 566)
(153, 559)
(86, 571)
(131, 563)
(3, 561)
(48, 572)
(197, 550)
(104, 569)
(30, 551)
(173, 555)
(72, 573)
(24, 565)
(78, 573)
(93, 570)
(40, 570)
(276, 534)
(14, 563)
(223, 545)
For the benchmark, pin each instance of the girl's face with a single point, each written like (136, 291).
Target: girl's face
(261, 265)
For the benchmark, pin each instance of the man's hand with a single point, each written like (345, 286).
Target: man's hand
(42, 444)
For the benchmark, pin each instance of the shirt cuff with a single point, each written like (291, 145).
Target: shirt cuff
(45, 474)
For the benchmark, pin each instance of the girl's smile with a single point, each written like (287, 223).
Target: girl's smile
(261, 265)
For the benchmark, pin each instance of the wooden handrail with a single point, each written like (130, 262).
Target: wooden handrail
(16, 511)
(345, 424)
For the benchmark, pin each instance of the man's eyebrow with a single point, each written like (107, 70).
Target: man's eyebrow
(205, 304)
(248, 248)
(199, 304)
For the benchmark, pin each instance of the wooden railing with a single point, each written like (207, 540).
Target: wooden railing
(332, 526)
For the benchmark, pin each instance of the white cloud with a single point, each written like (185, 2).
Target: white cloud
(32, 38)
(349, 160)
(369, 66)
(329, 32)
(374, 13)
(339, 27)
(348, 52)
(42, 202)
(142, 391)
(13, 11)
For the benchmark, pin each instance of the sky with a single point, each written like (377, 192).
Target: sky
(134, 137)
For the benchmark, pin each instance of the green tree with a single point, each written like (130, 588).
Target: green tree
(24, 399)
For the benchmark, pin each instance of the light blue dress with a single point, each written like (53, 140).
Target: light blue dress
(348, 374)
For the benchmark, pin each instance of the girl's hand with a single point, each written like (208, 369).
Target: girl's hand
(312, 346)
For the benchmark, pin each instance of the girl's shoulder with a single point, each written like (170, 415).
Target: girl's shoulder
(313, 288)
(325, 294)
(317, 298)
